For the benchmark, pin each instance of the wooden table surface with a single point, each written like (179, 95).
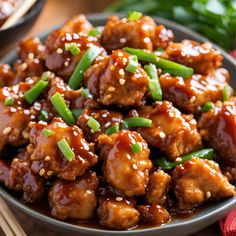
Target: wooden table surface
(56, 12)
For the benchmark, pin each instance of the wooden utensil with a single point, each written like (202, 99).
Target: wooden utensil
(8, 222)
(26, 5)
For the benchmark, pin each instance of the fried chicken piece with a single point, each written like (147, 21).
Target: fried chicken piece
(74, 199)
(143, 33)
(174, 133)
(48, 160)
(192, 93)
(110, 83)
(117, 213)
(125, 170)
(197, 181)
(202, 57)
(218, 127)
(7, 75)
(158, 187)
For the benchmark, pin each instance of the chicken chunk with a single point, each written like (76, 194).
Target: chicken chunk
(7, 75)
(15, 117)
(142, 33)
(122, 164)
(155, 215)
(48, 160)
(59, 60)
(105, 118)
(197, 181)
(218, 127)
(78, 24)
(191, 94)
(110, 83)
(202, 57)
(117, 214)
(158, 187)
(174, 133)
(21, 178)
(74, 199)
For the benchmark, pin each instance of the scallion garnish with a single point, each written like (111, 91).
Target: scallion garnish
(134, 15)
(132, 64)
(47, 132)
(32, 94)
(62, 109)
(112, 130)
(66, 149)
(95, 31)
(167, 66)
(85, 93)
(154, 84)
(43, 115)
(227, 91)
(136, 148)
(77, 112)
(136, 122)
(9, 101)
(85, 62)
(73, 48)
(207, 106)
(93, 124)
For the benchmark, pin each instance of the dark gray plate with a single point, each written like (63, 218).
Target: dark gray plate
(178, 227)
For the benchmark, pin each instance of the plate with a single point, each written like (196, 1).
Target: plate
(179, 227)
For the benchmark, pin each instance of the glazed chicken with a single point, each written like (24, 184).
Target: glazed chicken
(117, 127)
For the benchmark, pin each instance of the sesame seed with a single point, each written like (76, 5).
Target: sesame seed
(123, 40)
(121, 72)
(179, 159)
(31, 124)
(121, 81)
(42, 172)
(111, 89)
(119, 199)
(120, 54)
(50, 172)
(147, 40)
(23, 66)
(192, 99)
(135, 166)
(59, 51)
(66, 63)
(6, 131)
(208, 194)
(47, 158)
(25, 134)
(12, 109)
(31, 56)
(162, 134)
(26, 112)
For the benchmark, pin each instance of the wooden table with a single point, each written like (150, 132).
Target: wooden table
(56, 12)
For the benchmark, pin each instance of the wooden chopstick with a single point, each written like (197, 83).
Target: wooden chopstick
(5, 227)
(26, 5)
(10, 221)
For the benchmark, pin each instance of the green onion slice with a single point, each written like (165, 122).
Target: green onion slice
(227, 91)
(73, 48)
(9, 101)
(167, 66)
(85, 93)
(93, 124)
(85, 62)
(47, 132)
(96, 31)
(32, 94)
(168, 165)
(136, 122)
(62, 109)
(77, 112)
(112, 130)
(136, 148)
(207, 106)
(132, 64)
(66, 149)
(134, 15)
(43, 115)
(154, 84)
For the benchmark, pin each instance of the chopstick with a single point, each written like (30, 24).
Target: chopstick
(26, 5)
(9, 223)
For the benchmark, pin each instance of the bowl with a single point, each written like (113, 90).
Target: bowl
(11, 35)
(178, 227)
